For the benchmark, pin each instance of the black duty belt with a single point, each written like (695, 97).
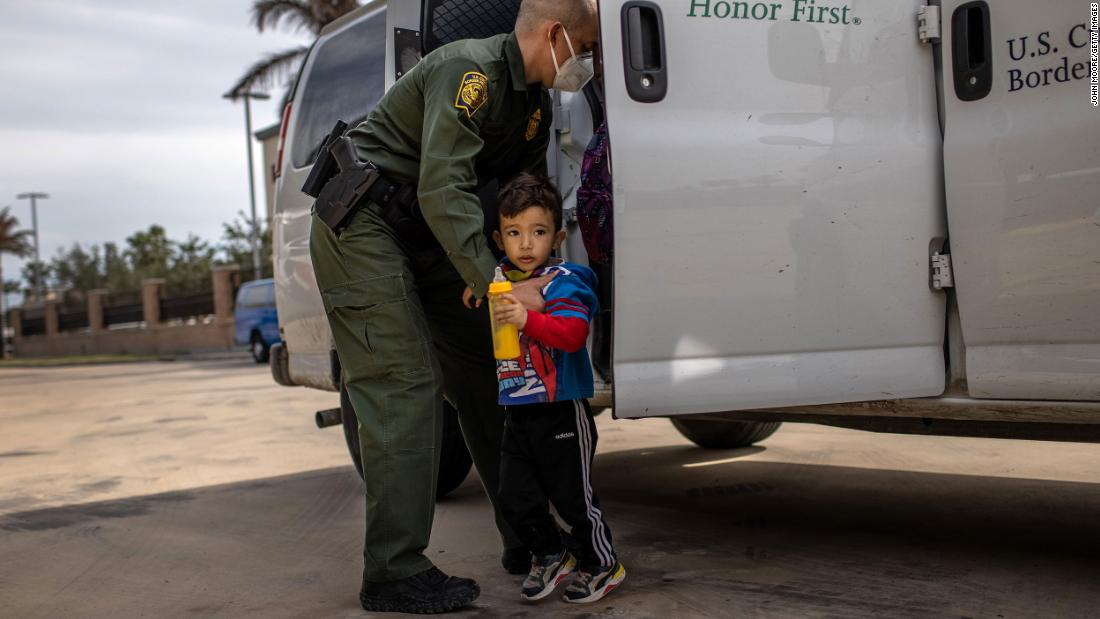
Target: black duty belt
(385, 192)
(401, 211)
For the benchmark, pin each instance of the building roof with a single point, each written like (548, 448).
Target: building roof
(267, 132)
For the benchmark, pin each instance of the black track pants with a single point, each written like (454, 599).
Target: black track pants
(547, 458)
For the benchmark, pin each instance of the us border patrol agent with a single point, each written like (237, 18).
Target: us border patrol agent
(392, 272)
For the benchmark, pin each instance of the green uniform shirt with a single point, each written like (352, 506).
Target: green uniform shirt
(461, 118)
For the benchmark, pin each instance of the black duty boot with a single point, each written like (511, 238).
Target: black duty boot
(426, 593)
(516, 561)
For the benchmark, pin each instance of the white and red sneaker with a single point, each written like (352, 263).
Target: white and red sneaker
(592, 586)
(546, 574)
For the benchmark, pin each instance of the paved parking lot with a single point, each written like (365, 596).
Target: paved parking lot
(201, 489)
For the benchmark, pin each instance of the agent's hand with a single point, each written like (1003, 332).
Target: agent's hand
(508, 310)
(468, 298)
(529, 293)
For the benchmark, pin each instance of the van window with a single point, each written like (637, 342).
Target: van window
(257, 296)
(450, 20)
(347, 78)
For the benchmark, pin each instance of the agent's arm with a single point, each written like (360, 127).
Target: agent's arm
(456, 93)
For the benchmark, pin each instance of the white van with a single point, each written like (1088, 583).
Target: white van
(877, 215)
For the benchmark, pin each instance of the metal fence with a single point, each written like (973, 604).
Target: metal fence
(72, 319)
(34, 326)
(120, 308)
(123, 314)
(189, 306)
(34, 321)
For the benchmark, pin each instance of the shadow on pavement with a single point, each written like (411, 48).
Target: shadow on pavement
(1008, 513)
(707, 534)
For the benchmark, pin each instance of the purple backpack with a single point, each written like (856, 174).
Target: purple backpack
(594, 198)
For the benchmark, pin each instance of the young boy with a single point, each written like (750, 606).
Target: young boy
(549, 434)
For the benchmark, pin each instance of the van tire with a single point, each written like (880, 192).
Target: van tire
(454, 458)
(258, 347)
(280, 365)
(718, 434)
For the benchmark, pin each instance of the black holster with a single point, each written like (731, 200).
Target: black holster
(342, 183)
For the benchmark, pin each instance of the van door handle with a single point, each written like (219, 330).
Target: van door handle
(644, 51)
(972, 51)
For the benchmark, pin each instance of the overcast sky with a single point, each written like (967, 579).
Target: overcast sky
(115, 109)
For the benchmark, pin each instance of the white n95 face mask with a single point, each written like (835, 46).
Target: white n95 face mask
(575, 72)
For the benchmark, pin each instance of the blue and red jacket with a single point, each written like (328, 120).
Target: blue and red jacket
(553, 365)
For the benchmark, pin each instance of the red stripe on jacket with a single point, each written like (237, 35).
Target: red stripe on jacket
(566, 304)
(566, 333)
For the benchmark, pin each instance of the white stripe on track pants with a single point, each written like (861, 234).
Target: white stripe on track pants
(547, 458)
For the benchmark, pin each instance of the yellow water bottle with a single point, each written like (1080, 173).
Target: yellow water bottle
(506, 335)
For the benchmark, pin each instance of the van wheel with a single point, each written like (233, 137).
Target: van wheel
(718, 434)
(454, 458)
(260, 350)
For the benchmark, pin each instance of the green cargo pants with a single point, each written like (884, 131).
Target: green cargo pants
(405, 339)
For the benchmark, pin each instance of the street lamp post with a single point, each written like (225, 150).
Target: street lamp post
(34, 196)
(248, 96)
(3, 309)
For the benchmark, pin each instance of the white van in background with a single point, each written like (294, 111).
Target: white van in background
(882, 215)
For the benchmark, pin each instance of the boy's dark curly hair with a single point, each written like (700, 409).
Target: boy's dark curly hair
(527, 190)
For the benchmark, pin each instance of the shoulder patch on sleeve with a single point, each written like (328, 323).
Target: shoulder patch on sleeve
(473, 92)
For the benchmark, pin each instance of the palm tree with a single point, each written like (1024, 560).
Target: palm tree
(310, 15)
(16, 243)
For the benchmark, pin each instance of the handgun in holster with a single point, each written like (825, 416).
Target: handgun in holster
(341, 182)
(338, 179)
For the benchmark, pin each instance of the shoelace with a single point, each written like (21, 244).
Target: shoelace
(539, 571)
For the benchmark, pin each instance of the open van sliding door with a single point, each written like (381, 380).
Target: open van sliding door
(1022, 162)
(778, 192)
(575, 115)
